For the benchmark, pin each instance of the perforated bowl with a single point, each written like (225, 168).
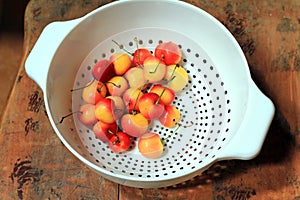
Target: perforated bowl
(224, 114)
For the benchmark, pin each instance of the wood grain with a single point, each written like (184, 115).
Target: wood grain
(35, 164)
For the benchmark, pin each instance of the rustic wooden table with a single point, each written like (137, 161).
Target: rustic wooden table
(36, 165)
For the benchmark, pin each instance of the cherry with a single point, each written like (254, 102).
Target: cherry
(120, 142)
(169, 52)
(139, 56)
(103, 70)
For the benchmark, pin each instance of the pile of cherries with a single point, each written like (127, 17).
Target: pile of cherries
(129, 90)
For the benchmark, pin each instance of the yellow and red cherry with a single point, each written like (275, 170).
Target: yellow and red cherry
(131, 98)
(135, 77)
(139, 56)
(93, 92)
(86, 114)
(104, 131)
(150, 106)
(154, 69)
(169, 52)
(166, 94)
(120, 142)
(150, 145)
(121, 62)
(117, 85)
(134, 125)
(103, 70)
(177, 77)
(119, 106)
(170, 117)
(104, 110)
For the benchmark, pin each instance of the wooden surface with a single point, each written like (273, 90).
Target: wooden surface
(36, 165)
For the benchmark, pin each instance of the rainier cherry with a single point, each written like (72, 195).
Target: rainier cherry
(121, 62)
(150, 106)
(119, 106)
(104, 131)
(139, 56)
(131, 98)
(87, 115)
(93, 92)
(177, 77)
(135, 77)
(117, 85)
(104, 110)
(154, 69)
(134, 124)
(119, 142)
(169, 52)
(150, 145)
(170, 117)
(103, 70)
(167, 94)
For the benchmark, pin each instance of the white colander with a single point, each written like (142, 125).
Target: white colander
(224, 115)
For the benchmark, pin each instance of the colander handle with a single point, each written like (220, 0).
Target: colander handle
(39, 59)
(248, 141)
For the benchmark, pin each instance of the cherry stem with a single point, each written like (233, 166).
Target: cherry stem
(135, 103)
(116, 141)
(160, 96)
(99, 89)
(118, 86)
(192, 123)
(172, 75)
(169, 81)
(177, 128)
(134, 112)
(157, 65)
(175, 131)
(90, 83)
(121, 47)
(136, 42)
(110, 132)
(68, 115)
